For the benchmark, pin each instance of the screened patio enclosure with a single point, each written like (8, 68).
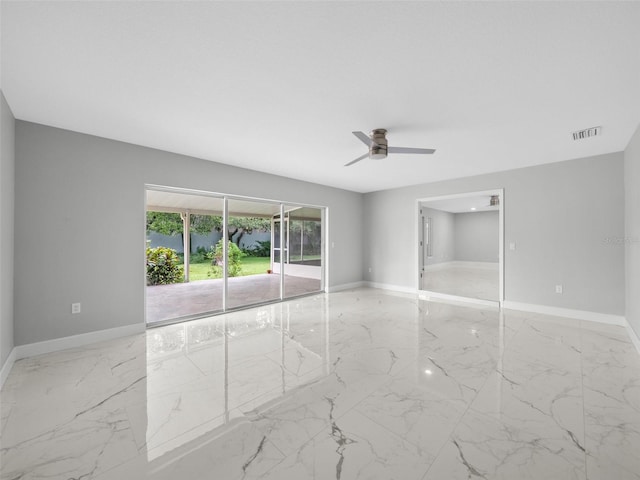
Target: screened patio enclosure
(282, 246)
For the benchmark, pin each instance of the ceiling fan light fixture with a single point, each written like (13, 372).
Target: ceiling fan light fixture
(377, 153)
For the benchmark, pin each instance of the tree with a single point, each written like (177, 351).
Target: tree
(164, 223)
(241, 225)
(167, 223)
(205, 224)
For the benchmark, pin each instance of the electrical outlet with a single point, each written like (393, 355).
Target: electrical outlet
(369, 269)
(75, 308)
(512, 246)
(558, 288)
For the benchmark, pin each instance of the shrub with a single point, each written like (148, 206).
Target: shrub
(262, 249)
(217, 256)
(199, 256)
(163, 266)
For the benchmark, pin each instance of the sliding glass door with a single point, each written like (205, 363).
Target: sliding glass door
(182, 231)
(304, 259)
(251, 279)
(209, 253)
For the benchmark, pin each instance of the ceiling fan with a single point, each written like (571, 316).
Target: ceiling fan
(378, 148)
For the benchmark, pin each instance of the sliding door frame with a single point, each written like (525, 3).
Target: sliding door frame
(226, 216)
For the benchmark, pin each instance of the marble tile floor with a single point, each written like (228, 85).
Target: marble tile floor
(362, 384)
(471, 282)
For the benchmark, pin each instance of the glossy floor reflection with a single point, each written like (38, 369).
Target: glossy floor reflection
(359, 384)
(464, 281)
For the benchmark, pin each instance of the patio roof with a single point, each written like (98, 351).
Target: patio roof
(174, 201)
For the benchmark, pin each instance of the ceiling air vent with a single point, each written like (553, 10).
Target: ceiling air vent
(587, 132)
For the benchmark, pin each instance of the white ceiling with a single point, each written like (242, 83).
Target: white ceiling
(279, 86)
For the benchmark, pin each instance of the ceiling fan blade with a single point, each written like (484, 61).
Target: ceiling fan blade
(364, 138)
(410, 150)
(362, 157)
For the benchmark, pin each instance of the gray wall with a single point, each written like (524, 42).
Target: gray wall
(7, 191)
(632, 230)
(561, 216)
(442, 236)
(477, 236)
(91, 192)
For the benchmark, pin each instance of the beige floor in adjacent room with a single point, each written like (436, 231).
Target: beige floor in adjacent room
(362, 384)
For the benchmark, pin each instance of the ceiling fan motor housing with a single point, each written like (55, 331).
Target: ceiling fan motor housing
(378, 149)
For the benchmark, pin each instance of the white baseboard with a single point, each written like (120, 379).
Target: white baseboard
(393, 288)
(345, 286)
(566, 312)
(633, 336)
(48, 346)
(432, 295)
(6, 368)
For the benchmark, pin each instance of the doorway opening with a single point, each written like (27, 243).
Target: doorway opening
(460, 247)
(208, 253)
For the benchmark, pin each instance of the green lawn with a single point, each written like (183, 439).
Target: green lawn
(249, 265)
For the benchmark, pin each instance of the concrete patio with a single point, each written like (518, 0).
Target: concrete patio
(167, 302)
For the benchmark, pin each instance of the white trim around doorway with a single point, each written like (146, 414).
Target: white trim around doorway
(417, 234)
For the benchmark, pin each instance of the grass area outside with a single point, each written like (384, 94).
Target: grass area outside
(249, 266)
